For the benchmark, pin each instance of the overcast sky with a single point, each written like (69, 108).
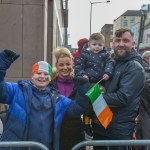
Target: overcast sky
(102, 13)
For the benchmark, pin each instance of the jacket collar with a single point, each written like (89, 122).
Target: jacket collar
(133, 55)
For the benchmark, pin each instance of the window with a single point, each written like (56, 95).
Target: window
(125, 23)
(132, 20)
(111, 29)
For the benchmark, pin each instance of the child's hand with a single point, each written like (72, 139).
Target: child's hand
(7, 57)
(85, 76)
(105, 77)
(10, 55)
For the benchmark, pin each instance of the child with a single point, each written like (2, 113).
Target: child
(35, 108)
(94, 63)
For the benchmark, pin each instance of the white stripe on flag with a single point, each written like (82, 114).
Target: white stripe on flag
(99, 105)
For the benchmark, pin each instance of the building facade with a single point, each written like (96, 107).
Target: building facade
(32, 28)
(127, 19)
(107, 31)
(145, 45)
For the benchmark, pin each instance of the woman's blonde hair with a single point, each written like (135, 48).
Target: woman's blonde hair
(60, 53)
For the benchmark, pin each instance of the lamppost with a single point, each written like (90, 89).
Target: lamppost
(141, 29)
(91, 11)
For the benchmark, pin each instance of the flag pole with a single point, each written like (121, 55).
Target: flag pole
(100, 80)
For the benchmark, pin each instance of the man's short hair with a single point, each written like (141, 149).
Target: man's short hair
(121, 31)
(97, 36)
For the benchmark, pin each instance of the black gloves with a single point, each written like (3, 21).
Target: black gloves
(7, 57)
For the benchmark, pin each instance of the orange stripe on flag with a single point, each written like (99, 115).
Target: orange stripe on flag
(105, 116)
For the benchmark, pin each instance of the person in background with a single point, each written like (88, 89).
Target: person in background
(122, 92)
(146, 59)
(144, 110)
(71, 130)
(35, 108)
(80, 44)
(95, 64)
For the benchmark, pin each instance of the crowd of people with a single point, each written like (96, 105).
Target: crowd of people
(48, 108)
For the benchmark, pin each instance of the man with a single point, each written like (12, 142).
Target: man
(122, 92)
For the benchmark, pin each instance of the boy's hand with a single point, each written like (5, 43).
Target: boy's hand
(11, 55)
(7, 57)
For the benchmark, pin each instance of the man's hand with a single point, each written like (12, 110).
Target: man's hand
(7, 57)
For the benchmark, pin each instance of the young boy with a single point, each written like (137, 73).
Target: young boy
(35, 108)
(94, 63)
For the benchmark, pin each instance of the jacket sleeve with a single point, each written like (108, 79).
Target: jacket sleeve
(3, 93)
(9, 89)
(129, 88)
(80, 65)
(7, 57)
(109, 66)
(81, 103)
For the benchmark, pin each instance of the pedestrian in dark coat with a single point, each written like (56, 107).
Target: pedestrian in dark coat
(71, 130)
(144, 111)
(122, 92)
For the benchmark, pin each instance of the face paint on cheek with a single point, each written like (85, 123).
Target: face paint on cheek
(48, 78)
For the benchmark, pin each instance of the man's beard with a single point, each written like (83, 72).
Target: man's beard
(121, 55)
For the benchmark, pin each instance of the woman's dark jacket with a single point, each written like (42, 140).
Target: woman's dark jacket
(71, 128)
(94, 65)
(122, 96)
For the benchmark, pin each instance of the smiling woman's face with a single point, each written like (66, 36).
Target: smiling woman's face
(64, 67)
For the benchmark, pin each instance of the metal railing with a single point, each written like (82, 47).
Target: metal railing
(22, 144)
(109, 143)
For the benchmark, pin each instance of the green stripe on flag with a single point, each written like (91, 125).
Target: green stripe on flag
(94, 93)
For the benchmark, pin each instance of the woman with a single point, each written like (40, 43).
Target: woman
(69, 86)
(35, 108)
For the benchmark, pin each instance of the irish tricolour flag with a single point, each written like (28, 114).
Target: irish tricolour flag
(101, 109)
